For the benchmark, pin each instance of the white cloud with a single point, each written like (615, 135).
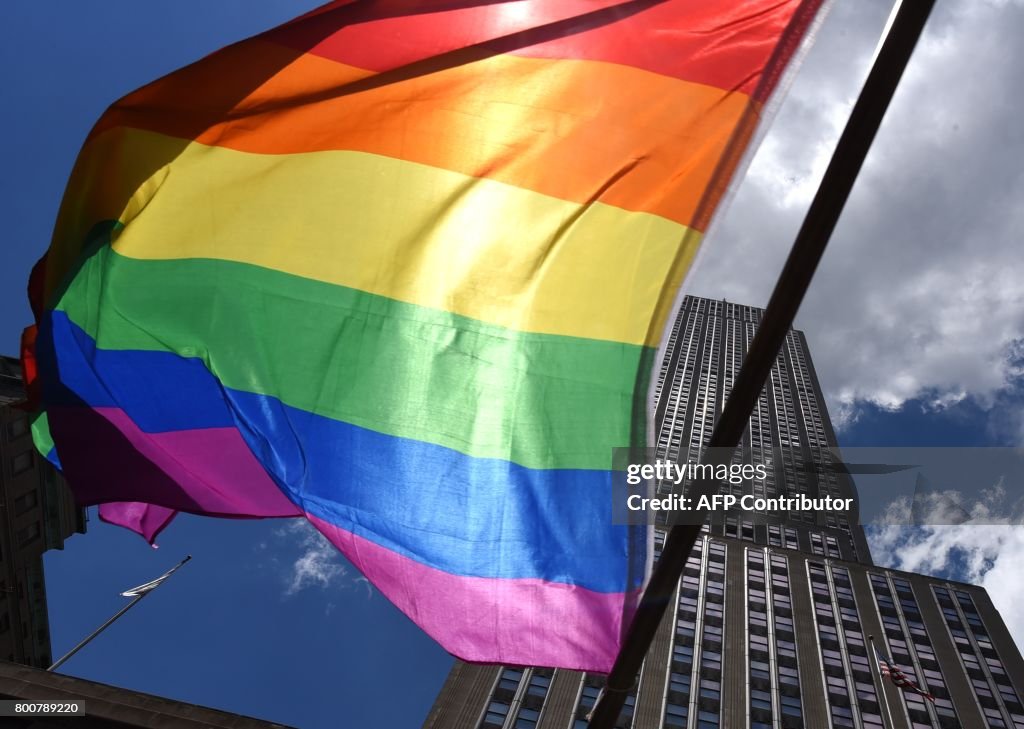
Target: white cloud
(921, 293)
(986, 549)
(318, 565)
(312, 562)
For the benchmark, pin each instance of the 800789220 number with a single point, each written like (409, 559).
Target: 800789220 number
(42, 708)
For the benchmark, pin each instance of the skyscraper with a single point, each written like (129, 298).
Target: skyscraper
(37, 513)
(772, 616)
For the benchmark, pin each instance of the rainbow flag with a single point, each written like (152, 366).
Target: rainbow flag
(402, 269)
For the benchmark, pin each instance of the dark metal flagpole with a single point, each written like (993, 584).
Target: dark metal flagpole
(789, 291)
(139, 593)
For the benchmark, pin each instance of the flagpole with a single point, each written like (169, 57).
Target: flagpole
(880, 686)
(807, 250)
(117, 615)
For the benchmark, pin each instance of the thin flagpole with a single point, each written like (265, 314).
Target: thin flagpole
(880, 686)
(145, 590)
(789, 291)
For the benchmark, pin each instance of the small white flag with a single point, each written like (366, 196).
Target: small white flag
(153, 584)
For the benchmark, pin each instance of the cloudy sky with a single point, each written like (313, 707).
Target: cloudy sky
(914, 321)
(920, 293)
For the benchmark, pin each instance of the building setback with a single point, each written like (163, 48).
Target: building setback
(37, 513)
(772, 614)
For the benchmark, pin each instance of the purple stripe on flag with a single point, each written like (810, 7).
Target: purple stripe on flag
(496, 620)
(110, 459)
(145, 519)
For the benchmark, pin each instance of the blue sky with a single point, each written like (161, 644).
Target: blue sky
(265, 622)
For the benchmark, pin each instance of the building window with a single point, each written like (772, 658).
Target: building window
(790, 705)
(21, 462)
(28, 534)
(682, 654)
(707, 720)
(710, 690)
(495, 716)
(527, 718)
(760, 699)
(589, 696)
(538, 685)
(679, 682)
(675, 715)
(509, 680)
(25, 502)
(17, 428)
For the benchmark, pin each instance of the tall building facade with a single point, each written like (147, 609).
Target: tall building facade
(788, 429)
(771, 619)
(37, 513)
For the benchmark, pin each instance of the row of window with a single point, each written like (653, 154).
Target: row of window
(695, 669)
(674, 420)
(850, 686)
(669, 349)
(774, 535)
(771, 641)
(993, 691)
(517, 698)
(907, 642)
